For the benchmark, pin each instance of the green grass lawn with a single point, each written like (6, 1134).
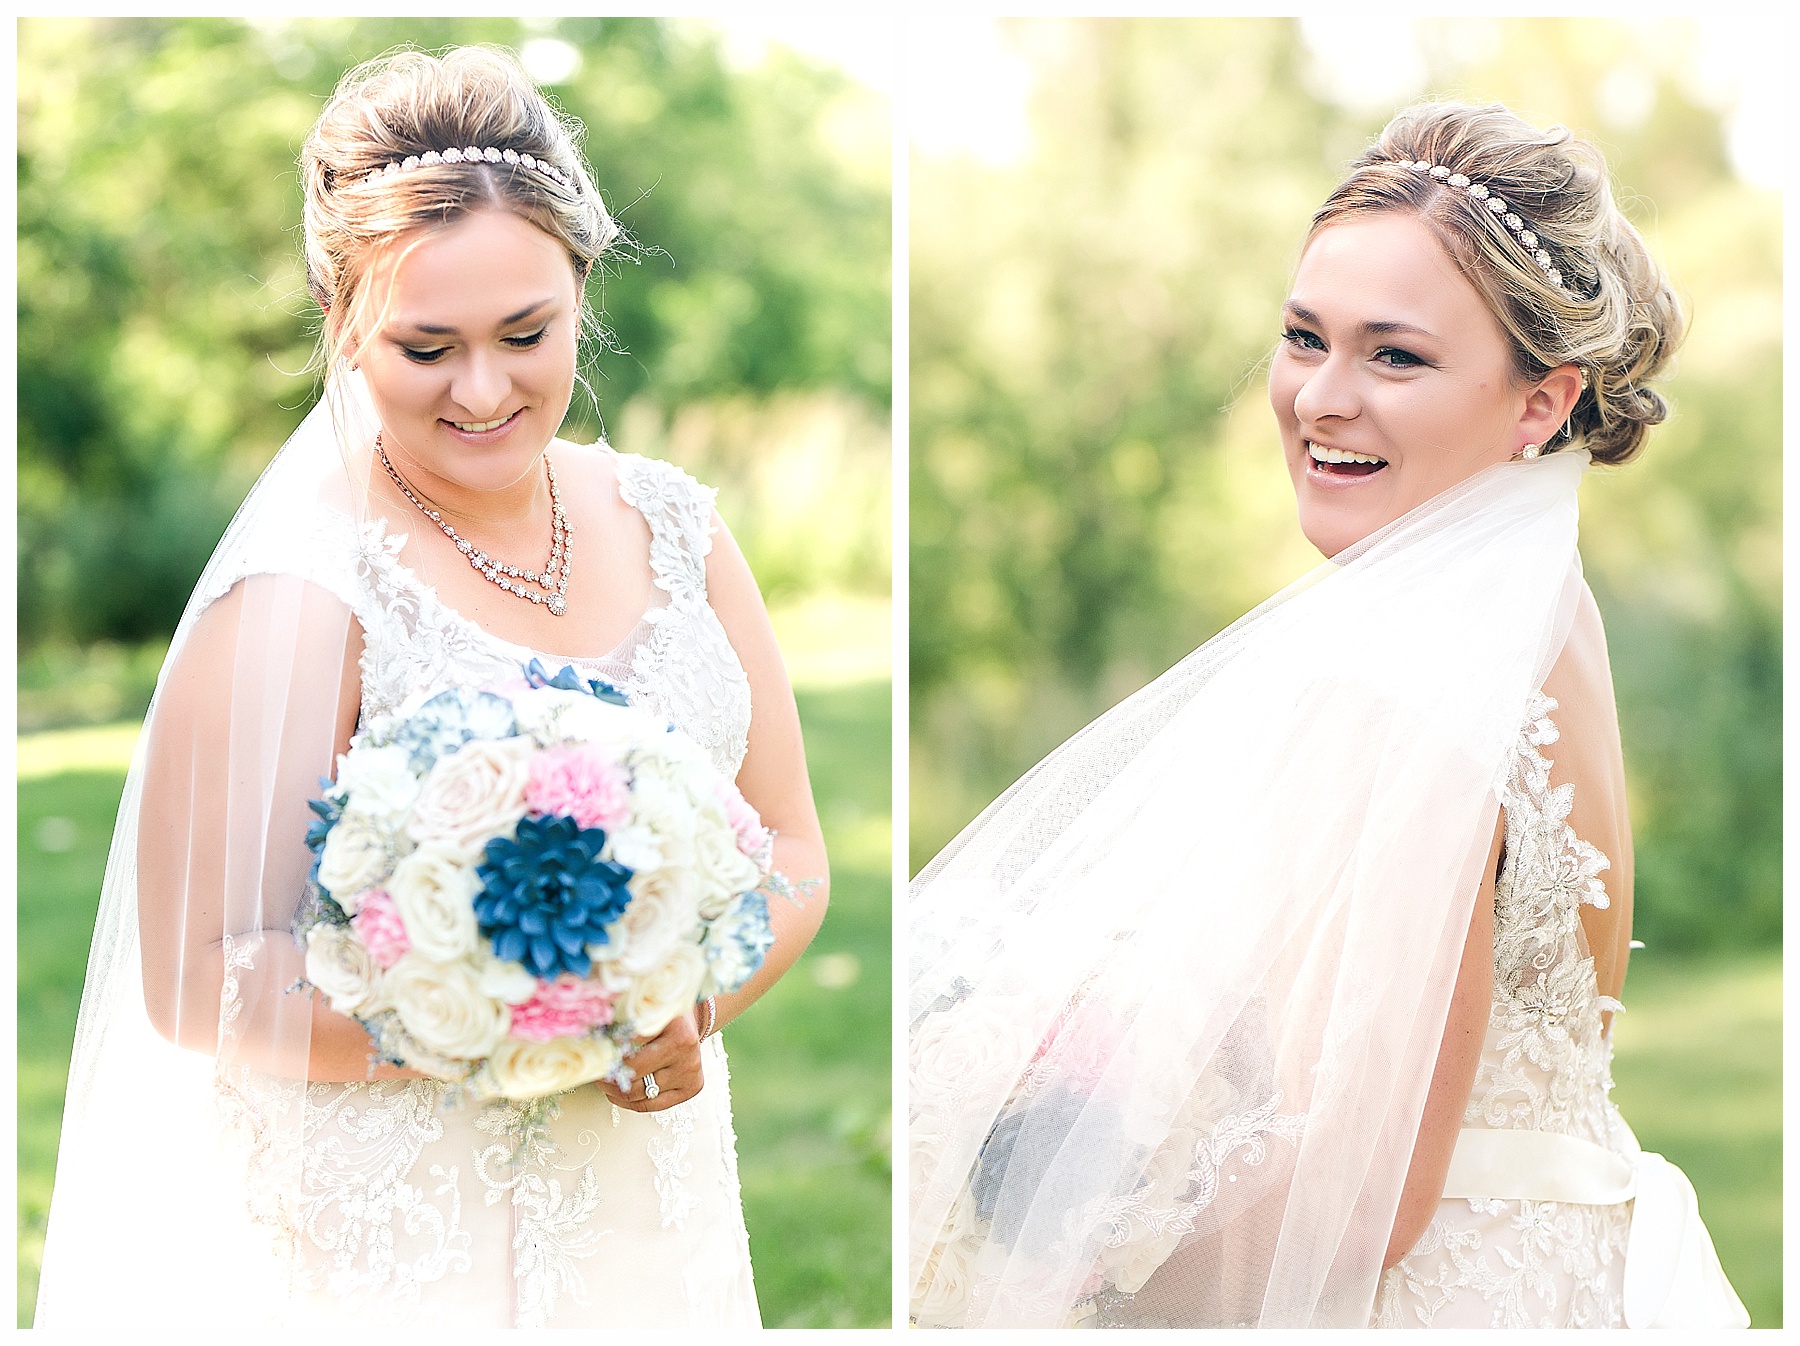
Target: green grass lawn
(1698, 1075)
(810, 1062)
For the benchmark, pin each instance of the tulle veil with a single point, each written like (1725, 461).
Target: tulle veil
(177, 1172)
(1176, 996)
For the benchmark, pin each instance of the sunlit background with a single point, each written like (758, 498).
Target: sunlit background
(1104, 215)
(164, 335)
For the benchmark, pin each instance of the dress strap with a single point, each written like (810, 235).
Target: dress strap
(679, 511)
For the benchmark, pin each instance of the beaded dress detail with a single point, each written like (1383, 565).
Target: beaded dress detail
(413, 1213)
(1546, 1065)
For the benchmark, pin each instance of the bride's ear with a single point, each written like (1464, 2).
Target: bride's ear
(1548, 404)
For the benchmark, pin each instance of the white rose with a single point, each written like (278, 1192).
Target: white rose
(339, 965)
(553, 717)
(941, 1297)
(725, 871)
(662, 912)
(657, 996)
(474, 794)
(679, 762)
(974, 1046)
(524, 1069)
(379, 781)
(355, 859)
(661, 830)
(434, 891)
(508, 982)
(441, 1005)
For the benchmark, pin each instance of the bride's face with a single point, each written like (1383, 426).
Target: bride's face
(471, 360)
(1392, 381)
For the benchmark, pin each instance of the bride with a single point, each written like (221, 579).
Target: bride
(1281, 994)
(230, 1152)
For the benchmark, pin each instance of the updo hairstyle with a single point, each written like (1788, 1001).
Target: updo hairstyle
(409, 103)
(1613, 315)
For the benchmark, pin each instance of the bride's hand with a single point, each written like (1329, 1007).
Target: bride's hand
(673, 1057)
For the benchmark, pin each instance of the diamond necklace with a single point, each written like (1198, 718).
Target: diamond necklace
(555, 578)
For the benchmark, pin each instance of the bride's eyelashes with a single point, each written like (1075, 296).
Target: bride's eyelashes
(436, 353)
(1391, 356)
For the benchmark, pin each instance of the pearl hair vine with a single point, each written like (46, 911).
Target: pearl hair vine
(1497, 206)
(471, 155)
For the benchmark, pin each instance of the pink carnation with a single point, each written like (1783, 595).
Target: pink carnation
(579, 783)
(380, 928)
(752, 837)
(562, 1008)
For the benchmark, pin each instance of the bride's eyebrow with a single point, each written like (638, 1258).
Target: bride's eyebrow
(434, 329)
(1301, 313)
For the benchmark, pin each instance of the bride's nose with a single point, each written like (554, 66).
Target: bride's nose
(479, 385)
(1329, 391)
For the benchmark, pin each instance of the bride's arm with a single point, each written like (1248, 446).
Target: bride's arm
(1454, 1076)
(773, 777)
(261, 698)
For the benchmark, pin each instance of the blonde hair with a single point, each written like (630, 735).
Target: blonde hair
(410, 103)
(1614, 315)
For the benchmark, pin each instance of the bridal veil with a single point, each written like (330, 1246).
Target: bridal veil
(178, 1168)
(1176, 997)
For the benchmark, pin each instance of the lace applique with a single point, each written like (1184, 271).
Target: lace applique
(553, 1224)
(1546, 1065)
(669, 1152)
(381, 1236)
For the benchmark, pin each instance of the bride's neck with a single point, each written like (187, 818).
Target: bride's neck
(506, 512)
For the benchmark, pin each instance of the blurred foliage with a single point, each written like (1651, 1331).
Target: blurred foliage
(164, 330)
(1096, 485)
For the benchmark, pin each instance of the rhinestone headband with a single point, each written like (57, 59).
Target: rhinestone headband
(472, 155)
(1497, 205)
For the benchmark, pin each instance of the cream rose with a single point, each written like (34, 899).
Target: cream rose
(941, 1297)
(339, 965)
(724, 870)
(968, 1047)
(434, 891)
(441, 1005)
(508, 982)
(554, 717)
(355, 860)
(380, 782)
(661, 831)
(657, 996)
(664, 910)
(533, 1069)
(475, 793)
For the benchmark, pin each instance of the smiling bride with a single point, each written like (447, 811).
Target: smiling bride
(235, 1151)
(1281, 995)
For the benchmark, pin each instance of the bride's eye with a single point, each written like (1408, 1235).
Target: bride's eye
(424, 357)
(1305, 340)
(525, 343)
(1394, 358)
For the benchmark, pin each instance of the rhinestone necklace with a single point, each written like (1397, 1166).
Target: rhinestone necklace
(555, 579)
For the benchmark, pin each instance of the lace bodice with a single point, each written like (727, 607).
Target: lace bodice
(1546, 1065)
(676, 661)
(414, 1212)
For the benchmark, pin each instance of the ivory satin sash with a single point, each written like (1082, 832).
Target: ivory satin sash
(1672, 1273)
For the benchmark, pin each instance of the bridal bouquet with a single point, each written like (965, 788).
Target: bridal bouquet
(510, 886)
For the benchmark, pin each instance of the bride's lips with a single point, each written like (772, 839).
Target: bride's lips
(499, 432)
(1339, 474)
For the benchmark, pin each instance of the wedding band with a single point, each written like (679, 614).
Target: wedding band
(650, 1087)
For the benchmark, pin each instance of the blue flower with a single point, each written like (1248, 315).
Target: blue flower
(548, 895)
(739, 940)
(568, 680)
(449, 720)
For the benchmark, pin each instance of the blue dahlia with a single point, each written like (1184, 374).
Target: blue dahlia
(547, 895)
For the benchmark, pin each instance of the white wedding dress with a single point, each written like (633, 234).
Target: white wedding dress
(414, 1213)
(1500, 1251)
